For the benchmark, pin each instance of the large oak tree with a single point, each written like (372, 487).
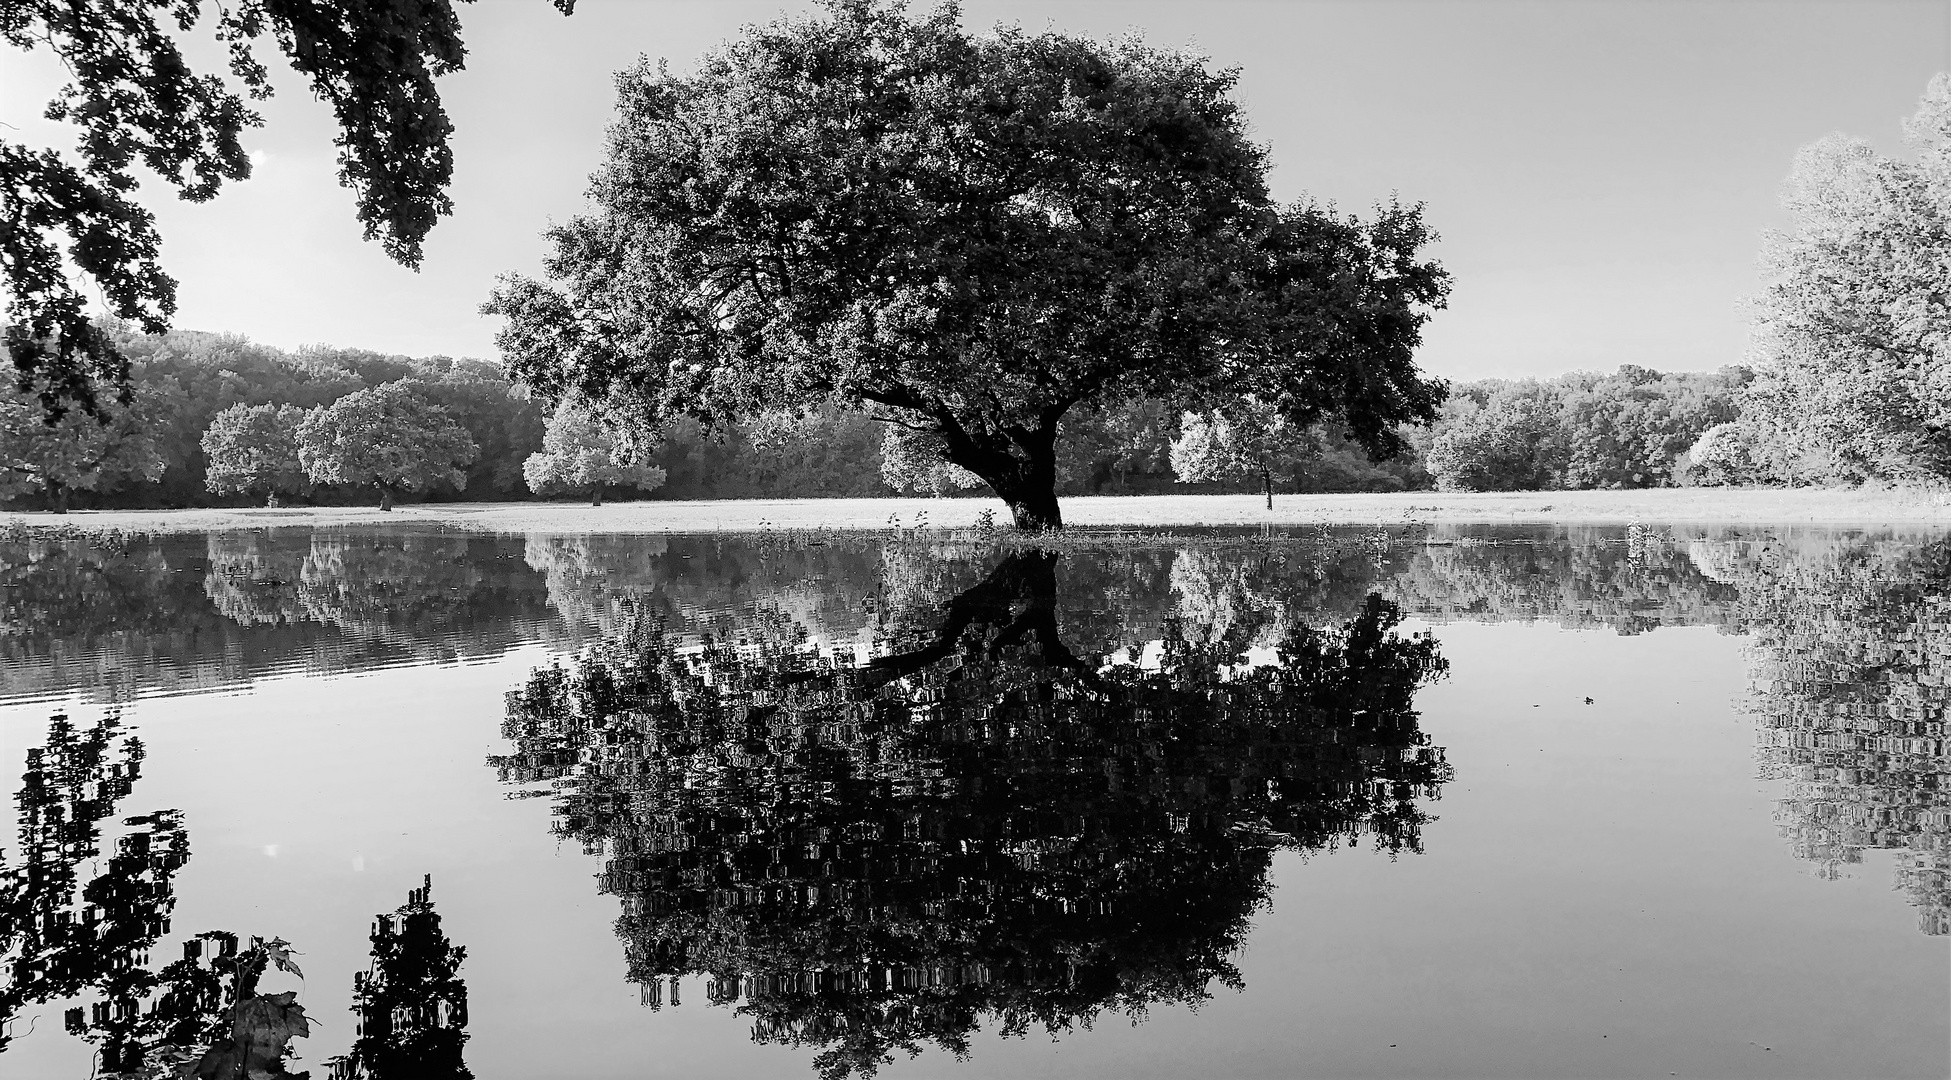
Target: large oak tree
(968, 236)
(389, 436)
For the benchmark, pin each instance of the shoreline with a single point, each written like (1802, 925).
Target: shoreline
(1653, 507)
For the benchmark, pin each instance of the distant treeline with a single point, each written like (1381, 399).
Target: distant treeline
(1630, 429)
(1634, 428)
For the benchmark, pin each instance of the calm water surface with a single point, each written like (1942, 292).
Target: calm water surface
(1465, 802)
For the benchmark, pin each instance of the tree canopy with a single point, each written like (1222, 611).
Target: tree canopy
(1853, 334)
(75, 452)
(137, 101)
(254, 449)
(388, 437)
(1249, 439)
(1631, 429)
(582, 454)
(967, 235)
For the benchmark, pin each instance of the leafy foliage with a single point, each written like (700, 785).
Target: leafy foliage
(389, 437)
(1634, 428)
(581, 453)
(915, 463)
(969, 235)
(115, 447)
(1854, 332)
(253, 449)
(1247, 438)
(1512, 441)
(137, 101)
(1115, 446)
(827, 452)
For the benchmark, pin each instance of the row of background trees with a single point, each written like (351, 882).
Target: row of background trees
(218, 419)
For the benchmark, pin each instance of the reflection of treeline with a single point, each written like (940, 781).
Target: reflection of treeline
(192, 611)
(184, 613)
(1578, 579)
(1851, 681)
(974, 824)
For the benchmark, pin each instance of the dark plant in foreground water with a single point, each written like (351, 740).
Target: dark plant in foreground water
(202, 1014)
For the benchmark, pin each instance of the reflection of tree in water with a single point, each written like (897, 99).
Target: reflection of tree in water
(374, 586)
(1578, 578)
(93, 612)
(978, 826)
(423, 592)
(122, 616)
(1851, 679)
(81, 591)
(63, 938)
(66, 939)
(711, 583)
(411, 1003)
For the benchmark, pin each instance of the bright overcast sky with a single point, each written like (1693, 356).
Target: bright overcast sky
(1601, 172)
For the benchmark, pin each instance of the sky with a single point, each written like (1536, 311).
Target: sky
(1601, 171)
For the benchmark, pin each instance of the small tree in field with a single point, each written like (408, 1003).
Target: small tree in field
(581, 454)
(253, 449)
(387, 436)
(969, 236)
(1246, 439)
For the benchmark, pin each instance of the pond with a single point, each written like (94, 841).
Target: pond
(1363, 802)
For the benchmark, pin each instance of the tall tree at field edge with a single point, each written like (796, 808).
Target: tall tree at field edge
(968, 236)
(388, 437)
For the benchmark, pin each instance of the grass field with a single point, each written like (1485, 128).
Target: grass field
(1667, 506)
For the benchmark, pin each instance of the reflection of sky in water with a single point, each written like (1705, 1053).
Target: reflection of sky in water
(1607, 888)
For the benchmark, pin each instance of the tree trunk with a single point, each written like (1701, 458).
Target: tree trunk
(1034, 511)
(1019, 465)
(57, 500)
(1267, 484)
(385, 497)
(1015, 605)
(1030, 487)
(596, 496)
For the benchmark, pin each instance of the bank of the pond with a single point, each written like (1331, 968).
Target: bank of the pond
(1670, 506)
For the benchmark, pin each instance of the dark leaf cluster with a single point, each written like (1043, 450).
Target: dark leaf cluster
(137, 102)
